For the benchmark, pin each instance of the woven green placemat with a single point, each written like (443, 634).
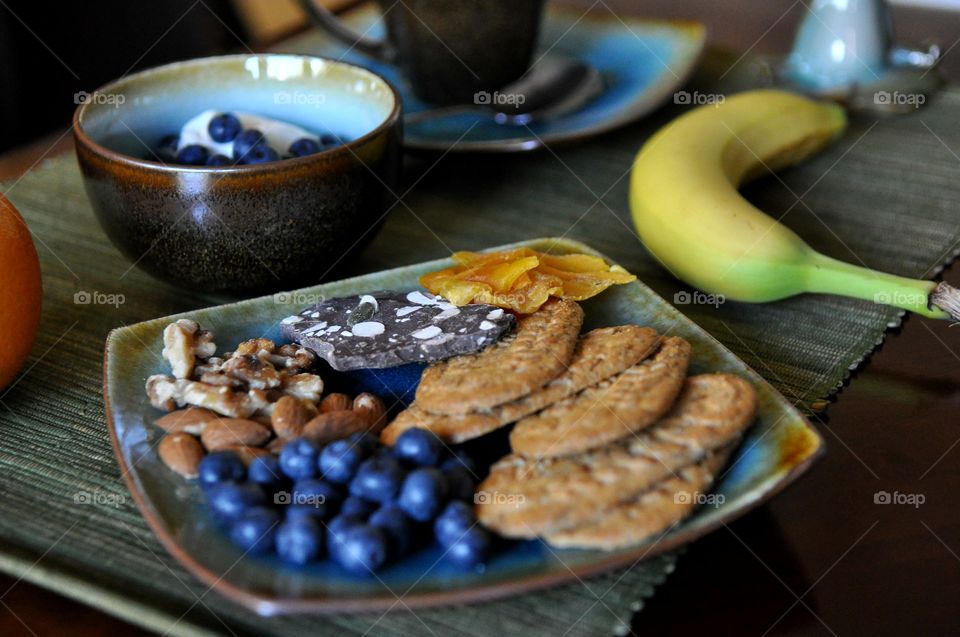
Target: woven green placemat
(884, 195)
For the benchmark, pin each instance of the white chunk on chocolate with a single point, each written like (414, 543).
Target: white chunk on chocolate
(389, 329)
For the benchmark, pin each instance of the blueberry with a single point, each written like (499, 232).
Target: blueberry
(330, 140)
(337, 528)
(361, 549)
(460, 459)
(304, 146)
(423, 493)
(299, 541)
(224, 127)
(396, 526)
(220, 466)
(260, 154)
(254, 529)
(460, 483)
(193, 155)
(319, 494)
(219, 160)
(339, 460)
(378, 479)
(419, 447)
(298, 459)
(339, 525)
(295, 512)
(245, 141)
(169, 142)
(229, 500)
(265, 471)
(470, 548)
(167, 148)
(365, 441)
(453, 522)
(357, 507)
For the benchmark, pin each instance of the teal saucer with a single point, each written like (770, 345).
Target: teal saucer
(642, 62)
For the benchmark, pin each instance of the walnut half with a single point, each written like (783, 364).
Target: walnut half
(168, 393)
(183, 344)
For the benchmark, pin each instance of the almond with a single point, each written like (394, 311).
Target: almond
(334, 425)
(182, 453)
(227, 432)
(372, 409)
(190, 420)
(276, 445)
(246, 453)
(335, 402)
(289, 416)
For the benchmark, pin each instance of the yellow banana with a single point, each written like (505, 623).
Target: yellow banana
(689, 214)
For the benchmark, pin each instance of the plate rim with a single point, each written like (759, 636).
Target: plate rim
(268, 605)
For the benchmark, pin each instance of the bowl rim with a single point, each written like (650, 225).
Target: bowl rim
(87, 142)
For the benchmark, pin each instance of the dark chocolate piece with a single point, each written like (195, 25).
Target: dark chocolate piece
(396, 328)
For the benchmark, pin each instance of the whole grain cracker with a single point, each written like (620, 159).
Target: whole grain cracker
(652, 513)
(539, 351)
(617, 407)
(599, 354)
(529, 498)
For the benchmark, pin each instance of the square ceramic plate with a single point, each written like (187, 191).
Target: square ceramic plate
(777, 449)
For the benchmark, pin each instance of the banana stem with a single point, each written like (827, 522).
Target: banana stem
(947, 298)
(830, 276)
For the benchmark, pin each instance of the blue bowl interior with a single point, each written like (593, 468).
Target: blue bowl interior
(132, 114)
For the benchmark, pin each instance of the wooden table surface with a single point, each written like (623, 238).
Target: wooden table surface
(822, 558)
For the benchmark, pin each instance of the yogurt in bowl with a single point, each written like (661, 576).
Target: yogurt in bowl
(217, 138)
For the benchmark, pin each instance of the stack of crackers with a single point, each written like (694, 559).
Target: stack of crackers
(608, 430)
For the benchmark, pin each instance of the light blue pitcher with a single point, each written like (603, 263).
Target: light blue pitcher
(848, 43)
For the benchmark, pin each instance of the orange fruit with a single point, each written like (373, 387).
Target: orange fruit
(20, 292)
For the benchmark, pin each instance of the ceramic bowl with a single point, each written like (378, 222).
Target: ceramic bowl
(252, 227)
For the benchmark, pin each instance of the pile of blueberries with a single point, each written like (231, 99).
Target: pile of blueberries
(249, 146)
(361, 503)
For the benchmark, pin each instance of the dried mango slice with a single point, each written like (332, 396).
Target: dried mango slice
(501, 276)
(523, 279)
(578, 286)
(574, 262)
(473, 259)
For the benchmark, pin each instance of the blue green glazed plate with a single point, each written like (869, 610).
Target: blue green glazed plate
(777, 449)
(642, 62)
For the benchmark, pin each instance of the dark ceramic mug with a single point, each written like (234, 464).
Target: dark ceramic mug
(449, 50)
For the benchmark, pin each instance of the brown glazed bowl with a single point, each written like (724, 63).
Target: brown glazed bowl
(243, 228)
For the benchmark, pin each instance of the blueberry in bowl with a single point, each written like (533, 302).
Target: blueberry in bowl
(272, 218)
